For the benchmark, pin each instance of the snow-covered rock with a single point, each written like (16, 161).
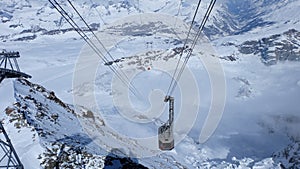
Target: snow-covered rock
(51, 133)
(244, 33)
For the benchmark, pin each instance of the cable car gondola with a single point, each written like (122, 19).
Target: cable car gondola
(165, 132)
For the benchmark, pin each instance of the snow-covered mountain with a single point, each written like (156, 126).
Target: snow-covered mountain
(258, 45)
(51, 131)
(238, 17)
(58, 139)
(228, 18)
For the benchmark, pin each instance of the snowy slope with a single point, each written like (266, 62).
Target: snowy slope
(228, 18)
(56, 132)
(258, 46)
(53, 127)
(256, 18)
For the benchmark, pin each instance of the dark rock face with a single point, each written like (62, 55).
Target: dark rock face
(237, 17)
(119, 162)
(279, 47)
(289, 157)
(26, 38)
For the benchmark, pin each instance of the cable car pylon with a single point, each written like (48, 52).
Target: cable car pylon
(9, 157)
(9, 68)
(165, 132)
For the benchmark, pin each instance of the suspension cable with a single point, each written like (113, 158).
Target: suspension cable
(87, 39)
(102, 45)
(204, 20)
(181, 51)
(105, 23)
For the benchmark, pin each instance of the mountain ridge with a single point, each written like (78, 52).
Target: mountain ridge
(258, 46)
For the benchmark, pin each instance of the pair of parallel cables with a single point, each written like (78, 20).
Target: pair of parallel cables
(176, 77)
(120, 74)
